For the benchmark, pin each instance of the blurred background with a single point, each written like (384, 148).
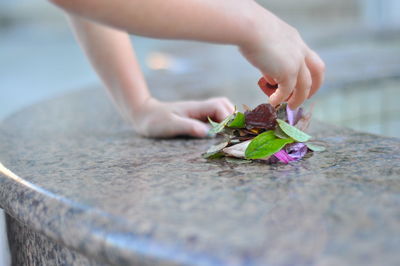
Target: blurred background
(359, 41)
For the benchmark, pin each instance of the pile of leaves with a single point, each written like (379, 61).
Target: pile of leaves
(264, 133)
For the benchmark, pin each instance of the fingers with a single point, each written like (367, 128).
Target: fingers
(284, 90)
(187, 118)
(302, 90)
(227, 104)
(317, 69)
(269, 80)
(306, 81)
(197, 111)
(188, 126)
(216, 108)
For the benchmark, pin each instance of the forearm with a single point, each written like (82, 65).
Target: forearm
(219, 21)
(268, 43)
(112, 56)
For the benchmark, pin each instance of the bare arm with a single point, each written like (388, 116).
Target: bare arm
(112, 56)
(267, 42)
(204, 20)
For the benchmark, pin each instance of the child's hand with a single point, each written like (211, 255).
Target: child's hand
(169, 119)
(270, 44)
(278, 51)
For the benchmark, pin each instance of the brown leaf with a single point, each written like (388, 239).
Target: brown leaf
(263, 116)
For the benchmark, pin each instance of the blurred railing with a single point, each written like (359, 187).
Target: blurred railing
(370, 106)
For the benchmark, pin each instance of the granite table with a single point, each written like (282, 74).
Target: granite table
(80, 188)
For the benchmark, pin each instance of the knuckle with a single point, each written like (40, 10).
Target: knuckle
(215, 100)
(212, 103)
(223, 98)
(321, 66)
(229, 104)
(221, 113)
(222, 101)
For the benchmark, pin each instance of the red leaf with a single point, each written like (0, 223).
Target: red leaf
(266, 87)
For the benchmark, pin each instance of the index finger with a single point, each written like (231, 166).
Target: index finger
(283, 91)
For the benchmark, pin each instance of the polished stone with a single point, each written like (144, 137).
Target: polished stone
(82, 178)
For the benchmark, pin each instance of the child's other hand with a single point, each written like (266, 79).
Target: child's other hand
(283, 58)
(169, 119)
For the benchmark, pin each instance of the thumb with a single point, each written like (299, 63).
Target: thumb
(189, 127)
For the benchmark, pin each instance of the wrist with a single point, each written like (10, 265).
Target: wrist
(260, 27)
(147, 115)
(130, 101)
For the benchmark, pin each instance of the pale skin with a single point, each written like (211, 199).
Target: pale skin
(268, 43)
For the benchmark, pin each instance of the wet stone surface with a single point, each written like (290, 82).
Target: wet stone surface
(88, 183)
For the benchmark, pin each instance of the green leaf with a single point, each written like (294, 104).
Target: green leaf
(265, 145)
(267, 135)
(218, 127)
(238, 121)
(236, 161)
(215, 151)
(216, 155)
(213, 124)
(280, 134)
(293, 132)
(315, 147)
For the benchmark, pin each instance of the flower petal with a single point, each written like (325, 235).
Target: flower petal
(294, 116)
(283, 156)
(296, 150)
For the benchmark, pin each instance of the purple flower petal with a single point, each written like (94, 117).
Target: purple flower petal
(283, 156)
(294, 116)
(296, 150)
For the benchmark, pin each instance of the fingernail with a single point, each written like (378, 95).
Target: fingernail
(210, 134)
(203, 131)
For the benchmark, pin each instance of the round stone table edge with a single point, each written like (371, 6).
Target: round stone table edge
(88, 230)
(94, 232)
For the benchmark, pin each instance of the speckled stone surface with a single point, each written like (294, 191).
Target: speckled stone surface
(88, 183)
(30, 248)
